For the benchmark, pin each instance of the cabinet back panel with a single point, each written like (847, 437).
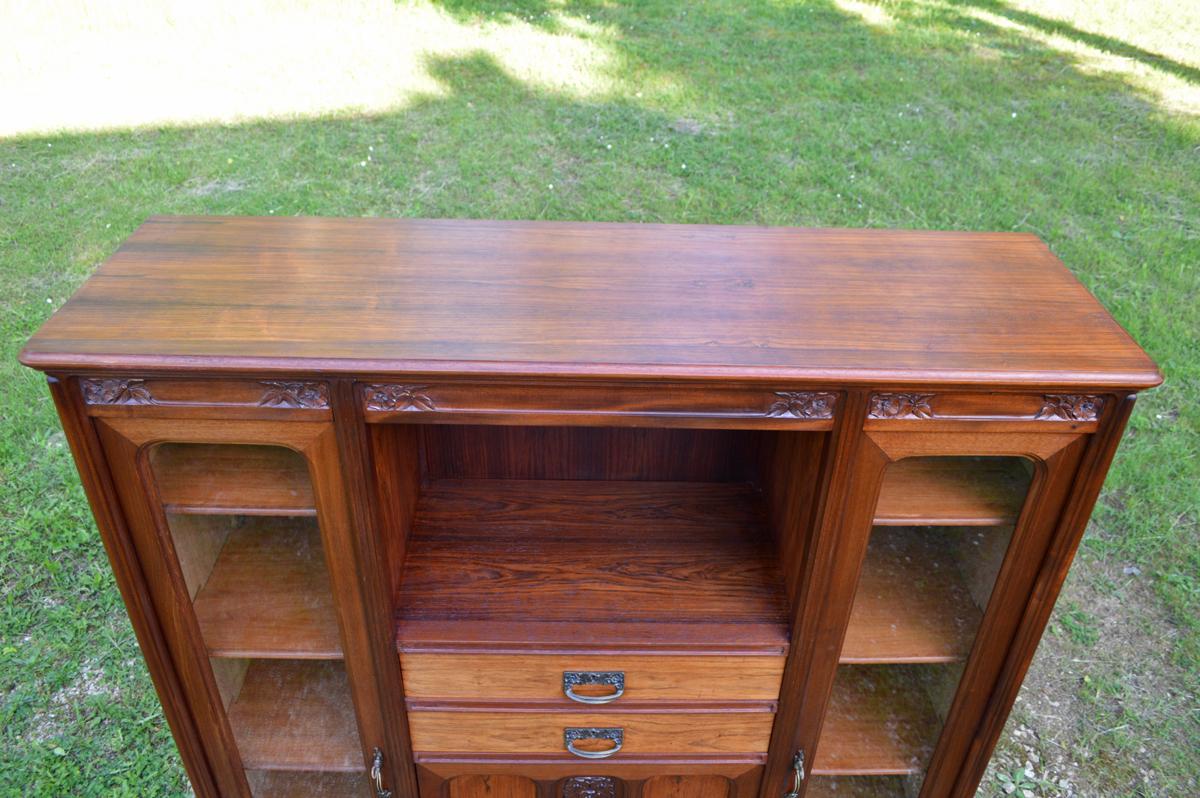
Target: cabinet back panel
(608, 453)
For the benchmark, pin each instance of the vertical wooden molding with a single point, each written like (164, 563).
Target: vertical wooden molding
(89, 457)
(797, 725)
(1077, 510)
(358, 477)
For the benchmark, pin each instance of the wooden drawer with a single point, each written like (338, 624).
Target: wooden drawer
(682, 730)
(540, 676)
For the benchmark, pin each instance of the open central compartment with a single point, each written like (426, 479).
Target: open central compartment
(593, 539)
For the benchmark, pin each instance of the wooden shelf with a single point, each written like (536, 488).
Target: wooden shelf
(296, 715)
(879, 723)
(952, 491)
(591, 566)
(211, 479)
(853, 787)
(912, 604)
(268, 594)
(291, 783)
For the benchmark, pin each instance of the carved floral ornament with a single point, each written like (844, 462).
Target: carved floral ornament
(1071, 407)
(116, 391)
(589, 787)
(308, 395)
(901, 405)
(398, 397)
(800, 404)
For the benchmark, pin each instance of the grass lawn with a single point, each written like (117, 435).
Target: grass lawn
(1078, 120)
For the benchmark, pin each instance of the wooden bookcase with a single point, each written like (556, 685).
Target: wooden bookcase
(443, 509)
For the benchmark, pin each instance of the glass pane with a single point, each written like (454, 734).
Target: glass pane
(243, 522)
(941, 530)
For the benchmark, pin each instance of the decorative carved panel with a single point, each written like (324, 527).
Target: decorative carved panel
(308, 395)
(398, 397)
(589, 787)
(801, 404)
(901, 405)
(116, 391)
(1071, 407)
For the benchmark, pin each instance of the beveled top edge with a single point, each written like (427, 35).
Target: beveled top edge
(775, 324)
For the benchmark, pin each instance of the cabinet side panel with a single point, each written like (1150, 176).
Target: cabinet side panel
(131, 581)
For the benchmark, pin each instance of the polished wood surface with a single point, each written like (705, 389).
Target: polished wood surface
(952, 491)
(296, 715)
(622, 300)
(207, 479)
(539, 676)
(310, 784)
(630, 776)
(879, 723)
(269, 594)
(503, 450)
(912, 603)
(590, 565)
(648, 732)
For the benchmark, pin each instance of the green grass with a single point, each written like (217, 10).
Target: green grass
(981, 115)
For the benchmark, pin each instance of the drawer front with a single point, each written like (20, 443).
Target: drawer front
(540, 677)
(532, 732)
(441, 776)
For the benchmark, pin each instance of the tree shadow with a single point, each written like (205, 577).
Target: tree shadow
(723, 112)
(1099, 41)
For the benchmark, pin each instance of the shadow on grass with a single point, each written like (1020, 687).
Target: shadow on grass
(722, 112)
(1099, 41)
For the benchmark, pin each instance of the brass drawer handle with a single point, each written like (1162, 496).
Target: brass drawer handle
(573, 735)
(613, 679)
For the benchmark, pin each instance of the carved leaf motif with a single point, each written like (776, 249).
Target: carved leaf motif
(802, 404)
(1071, 407)
(398, 397)
(589, 787)
(308, 395)
(116, 392)
(902, 405)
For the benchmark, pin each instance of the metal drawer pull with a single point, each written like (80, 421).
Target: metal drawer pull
(573, 735)
(613, 679)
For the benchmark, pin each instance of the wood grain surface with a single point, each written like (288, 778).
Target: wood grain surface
(576, 564)
(296, 715)
(210, 479)
(620, 300)
(539, 676)
(952, 491)
(269, 594)
(879, 723)
(486, 731)
(912, 603)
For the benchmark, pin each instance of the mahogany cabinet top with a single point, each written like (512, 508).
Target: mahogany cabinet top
(626, 301)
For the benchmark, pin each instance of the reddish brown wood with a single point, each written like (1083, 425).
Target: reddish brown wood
(136, 590)
(879, 723)
(590, 565)
(269, 595)
(680, 405)
(559, 453)
(557, 298)
(377, 677)
(293, 715)
(912, 603)
(1035, 613)
(712, 776)
(232, 480)
(952, 491)
(668, 443)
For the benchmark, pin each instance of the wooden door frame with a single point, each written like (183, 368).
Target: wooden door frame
(1069, 470)
(120, 444)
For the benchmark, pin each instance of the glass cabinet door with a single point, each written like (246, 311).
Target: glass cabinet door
(940, 533)
(242, 522)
